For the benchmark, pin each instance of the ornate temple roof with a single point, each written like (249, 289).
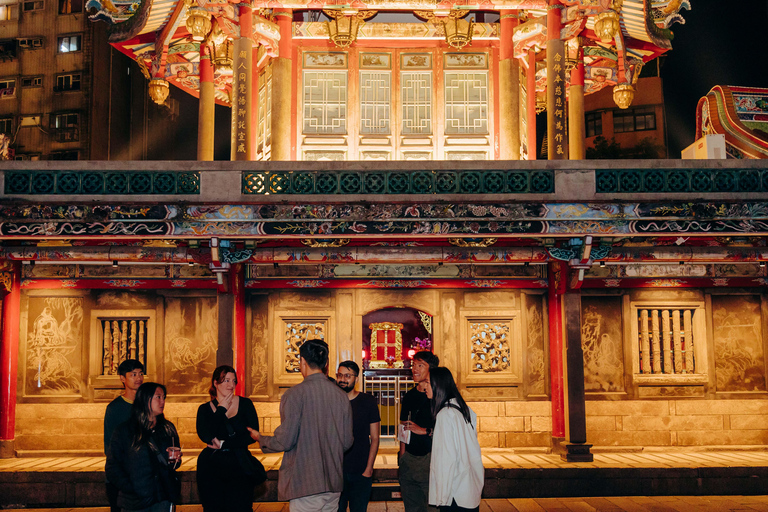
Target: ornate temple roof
(154, 32)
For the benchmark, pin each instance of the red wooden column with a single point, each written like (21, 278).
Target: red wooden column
(576, 122)
(556, 108)
(9, 358)
(282, 88)
(509, 89)
(237, 289)
(530, 86)
(558, 280)
(207, 105)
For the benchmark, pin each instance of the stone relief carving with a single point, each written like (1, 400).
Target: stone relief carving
(191, 339)
(54, 346)
(537, 377)
(739, 357)
(259, 363)
(601, 341)
(296, 333)
(490, 344)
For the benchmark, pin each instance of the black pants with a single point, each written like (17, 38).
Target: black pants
(112, 492)
(222, 484)
(455, 508)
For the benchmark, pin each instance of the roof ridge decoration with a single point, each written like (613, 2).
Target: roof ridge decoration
(125, 18)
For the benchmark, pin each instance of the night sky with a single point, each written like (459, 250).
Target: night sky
(721, 43)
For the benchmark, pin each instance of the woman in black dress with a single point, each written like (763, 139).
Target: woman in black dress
(226, 471)
(143, 454)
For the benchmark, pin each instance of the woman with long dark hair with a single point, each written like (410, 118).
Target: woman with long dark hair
(227, 473)
(143, 454)
(456, 474)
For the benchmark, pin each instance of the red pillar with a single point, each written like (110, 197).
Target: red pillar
(558, 280)
(237, 288)
(531, 107)
(9, 358)
(556, 112)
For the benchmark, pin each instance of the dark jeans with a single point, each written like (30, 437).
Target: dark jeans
(163, 506)
(455, 508)
(112, 492)
(356, 493)
(414, 482)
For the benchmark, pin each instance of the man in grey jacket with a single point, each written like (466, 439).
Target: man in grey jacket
(315, 430)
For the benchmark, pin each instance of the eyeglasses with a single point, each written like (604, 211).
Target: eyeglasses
(344, 375)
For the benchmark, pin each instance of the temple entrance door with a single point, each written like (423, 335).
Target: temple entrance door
(391, 336)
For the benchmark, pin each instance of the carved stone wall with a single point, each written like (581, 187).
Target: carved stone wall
(738, 336)
(191, 340)
(54, 346)
(602, 343)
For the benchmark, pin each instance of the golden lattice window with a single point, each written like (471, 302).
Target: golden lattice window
(669, 341)
(121, 339)
(296, 333)
(490, 351)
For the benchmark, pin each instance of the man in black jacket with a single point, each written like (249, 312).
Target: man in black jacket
(118, 411)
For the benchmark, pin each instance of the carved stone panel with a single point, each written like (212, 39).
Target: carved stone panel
(535, 354)
(191, 340)
(259, 345)
(54, 346)
(738, 336)
(601, 341)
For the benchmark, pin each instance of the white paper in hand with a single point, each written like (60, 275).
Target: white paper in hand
(404, 436)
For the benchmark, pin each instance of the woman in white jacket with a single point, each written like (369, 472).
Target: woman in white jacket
(456, 472)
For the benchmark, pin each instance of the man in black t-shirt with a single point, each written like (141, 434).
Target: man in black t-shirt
(358, 460)
(118, 411)
(416, 417)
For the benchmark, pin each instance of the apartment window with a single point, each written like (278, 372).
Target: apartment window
(594, 122)
(69, 44)
(669, 341)
(66, 126)
(69, 82)
(31, 81)
(634, 120)
(30, 43)
(70, 6)
(7, 88)
(34, 5)
(9, 12)
(6, 125)
(65, 155)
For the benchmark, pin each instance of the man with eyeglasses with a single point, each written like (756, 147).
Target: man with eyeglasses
(366, 425)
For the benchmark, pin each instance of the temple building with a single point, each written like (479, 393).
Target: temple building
(579, 304)
(738, 113)
(385, 81)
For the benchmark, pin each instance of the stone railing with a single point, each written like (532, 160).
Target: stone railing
(266, 182)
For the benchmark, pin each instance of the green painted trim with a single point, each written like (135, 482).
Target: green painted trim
(422, 182)
(101, 183)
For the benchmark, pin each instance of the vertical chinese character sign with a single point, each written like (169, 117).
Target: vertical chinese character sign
(242, 100)
(556, 90)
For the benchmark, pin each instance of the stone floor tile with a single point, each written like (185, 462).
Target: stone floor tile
(377, 506)
(577, 505)
(526, 505)
(551, 504)
(500, 505)
(602, 505)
